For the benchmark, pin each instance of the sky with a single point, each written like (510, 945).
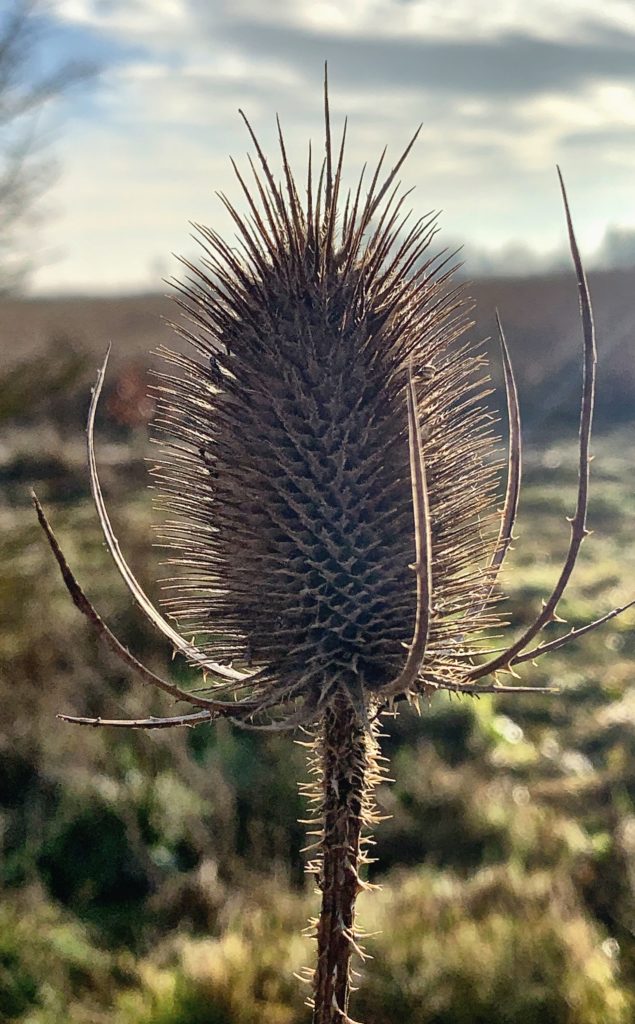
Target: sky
(504, 92)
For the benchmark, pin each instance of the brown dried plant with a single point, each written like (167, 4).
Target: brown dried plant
(329, 468)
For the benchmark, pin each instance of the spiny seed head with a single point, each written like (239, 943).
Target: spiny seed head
(287, 445)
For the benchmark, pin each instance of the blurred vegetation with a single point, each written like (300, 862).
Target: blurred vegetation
(157, 878)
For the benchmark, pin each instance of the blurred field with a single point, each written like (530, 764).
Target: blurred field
(540, 316)
(158, 878)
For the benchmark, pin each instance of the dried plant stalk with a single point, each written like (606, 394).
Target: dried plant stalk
(344, 761)
(330, 479)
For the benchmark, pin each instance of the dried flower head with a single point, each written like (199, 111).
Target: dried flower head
(329, 472)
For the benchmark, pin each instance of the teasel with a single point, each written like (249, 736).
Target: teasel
(329, 469)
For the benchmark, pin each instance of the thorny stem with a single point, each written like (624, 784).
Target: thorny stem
(345, 753)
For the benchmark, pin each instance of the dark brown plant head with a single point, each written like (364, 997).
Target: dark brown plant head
(328, 463)
(287, 444)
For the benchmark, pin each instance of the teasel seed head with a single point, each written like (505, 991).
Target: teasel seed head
(329, 465)
(286, 442)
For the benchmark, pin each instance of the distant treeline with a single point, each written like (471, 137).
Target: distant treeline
(540, 316)
(541, 320)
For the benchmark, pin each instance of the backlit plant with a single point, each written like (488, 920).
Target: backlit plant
(330, 479)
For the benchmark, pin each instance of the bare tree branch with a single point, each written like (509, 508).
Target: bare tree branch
(25, 173)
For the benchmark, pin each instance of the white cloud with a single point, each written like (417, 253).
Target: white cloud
(127, 18)
(427, 19)
(167, 121)
(438, 19)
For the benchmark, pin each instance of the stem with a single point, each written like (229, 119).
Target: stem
(344, 758)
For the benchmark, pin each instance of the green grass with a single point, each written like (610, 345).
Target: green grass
(157, 878)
